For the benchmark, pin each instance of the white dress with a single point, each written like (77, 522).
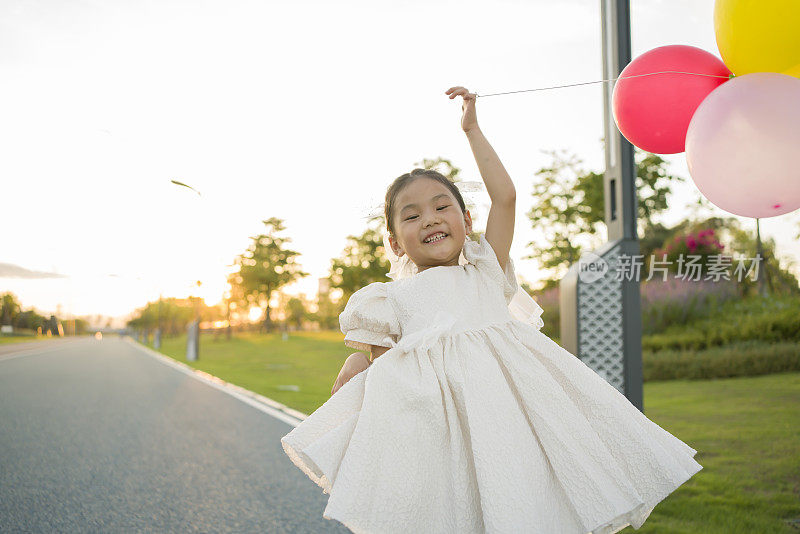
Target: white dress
(477, 422)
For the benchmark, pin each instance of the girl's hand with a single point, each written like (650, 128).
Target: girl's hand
(469, 119)
(354, 364)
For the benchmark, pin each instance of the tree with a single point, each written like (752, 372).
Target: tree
(442, 165)
(362, 262)
(233, 298)
(296, 312)
(9, 309)
(569, 205)
(327, 314)
(30, 320)
(80, 326)
(175, 314)
(779, 280)
(265, 267)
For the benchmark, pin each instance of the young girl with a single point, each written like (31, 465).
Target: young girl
(460, 416)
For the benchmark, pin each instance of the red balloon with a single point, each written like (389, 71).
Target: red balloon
(653, 112)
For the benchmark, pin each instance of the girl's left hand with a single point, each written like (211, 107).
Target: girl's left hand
(469, 119)
(354, 364)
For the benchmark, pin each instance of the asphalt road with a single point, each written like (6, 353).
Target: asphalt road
(99, 436)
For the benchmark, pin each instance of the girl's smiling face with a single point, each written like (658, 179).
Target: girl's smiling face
(429, 225)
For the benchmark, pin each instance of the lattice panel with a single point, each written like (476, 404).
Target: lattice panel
(600, 323)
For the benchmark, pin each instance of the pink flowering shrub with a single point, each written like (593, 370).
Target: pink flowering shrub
(701, 243)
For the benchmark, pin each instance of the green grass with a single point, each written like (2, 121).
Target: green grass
(261, 363)
(748, 441)
(745, 429)
(7, 340)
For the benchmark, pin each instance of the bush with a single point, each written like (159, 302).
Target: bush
(702, 244)
(770, 319)
(745, 358)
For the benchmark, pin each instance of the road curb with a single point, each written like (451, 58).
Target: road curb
(265, 404)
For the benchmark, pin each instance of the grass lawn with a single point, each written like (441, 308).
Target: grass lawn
(748, 441)
(7, 340)
(745, 429)
(262, 363)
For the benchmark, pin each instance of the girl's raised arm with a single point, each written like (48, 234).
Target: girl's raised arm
(500, 224)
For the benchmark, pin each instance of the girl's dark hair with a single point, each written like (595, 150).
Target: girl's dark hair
(401, 181)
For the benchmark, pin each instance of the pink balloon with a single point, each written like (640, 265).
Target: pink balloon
(653, 112)
(742, 143)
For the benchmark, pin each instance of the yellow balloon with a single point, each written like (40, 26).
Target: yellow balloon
(759, 35)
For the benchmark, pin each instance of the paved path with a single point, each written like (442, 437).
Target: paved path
(100, 436)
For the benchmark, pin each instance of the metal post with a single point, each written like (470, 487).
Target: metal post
(193, 341)
(157, 335)
(600, 309)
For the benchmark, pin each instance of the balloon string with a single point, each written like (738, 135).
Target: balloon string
(603, 81)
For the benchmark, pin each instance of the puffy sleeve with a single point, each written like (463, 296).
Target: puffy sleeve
(369, 319)
(482, 255)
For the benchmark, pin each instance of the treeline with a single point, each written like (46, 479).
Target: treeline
(173, 315)
(567, 205)
(30, 322)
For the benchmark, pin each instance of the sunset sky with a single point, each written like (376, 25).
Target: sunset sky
(303, 111)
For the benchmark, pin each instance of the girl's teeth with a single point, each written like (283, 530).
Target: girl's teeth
(436, 239)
